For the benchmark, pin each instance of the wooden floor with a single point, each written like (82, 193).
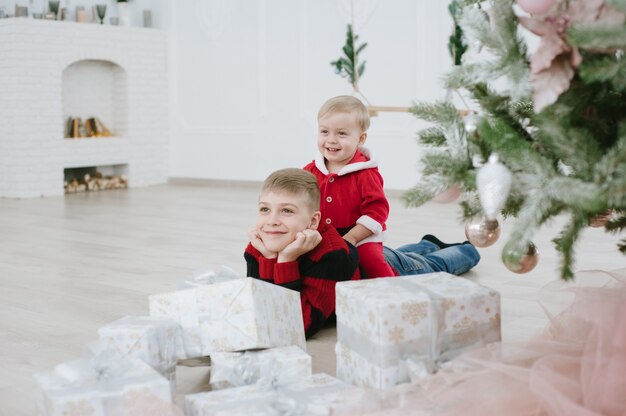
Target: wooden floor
(69, 265)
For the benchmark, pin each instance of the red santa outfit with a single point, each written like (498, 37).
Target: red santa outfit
(314, 274)
(353, 196)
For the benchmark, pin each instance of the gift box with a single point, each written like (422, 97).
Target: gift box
(235, 369)
(319, 394)
(152, 340)
(235, 315)
(104, 384)
(208, 276)
(394, 330)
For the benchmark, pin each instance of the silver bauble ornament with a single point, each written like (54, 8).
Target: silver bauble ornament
(449, 195)
(493, 182)
(482, 232)
(520, 262)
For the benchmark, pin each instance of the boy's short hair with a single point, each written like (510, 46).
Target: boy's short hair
(346, 104)
(294, 181)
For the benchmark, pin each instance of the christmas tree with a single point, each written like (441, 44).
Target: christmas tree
(545, 132)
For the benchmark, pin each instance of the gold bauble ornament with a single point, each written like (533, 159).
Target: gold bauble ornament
(482, 232)
(518, 262)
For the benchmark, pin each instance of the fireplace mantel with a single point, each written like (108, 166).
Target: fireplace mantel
(37, 94)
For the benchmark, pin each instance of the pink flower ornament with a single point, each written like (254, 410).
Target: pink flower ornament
(554, 63)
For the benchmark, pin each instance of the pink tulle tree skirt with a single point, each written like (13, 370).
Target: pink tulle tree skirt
(576, 366)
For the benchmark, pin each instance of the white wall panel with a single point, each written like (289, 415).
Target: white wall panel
(249, 76)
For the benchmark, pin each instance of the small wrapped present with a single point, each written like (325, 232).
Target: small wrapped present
(209, 276)
(235, 315)
(152, 340)
(104, 383)
(236, 369)
(394, 330)
(319, 394)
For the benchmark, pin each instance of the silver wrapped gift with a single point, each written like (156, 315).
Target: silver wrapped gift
(235, 315)
(319, 394)
(235, 369)
(152, 340)
(103, 383)
(394, 330)
(208, 276)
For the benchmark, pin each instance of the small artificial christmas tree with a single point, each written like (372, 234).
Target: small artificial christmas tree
(558, 124)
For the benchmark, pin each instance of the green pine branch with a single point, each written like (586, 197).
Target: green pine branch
(456, 42)
(568, 159)
(432, 136)
(618, 4)
(442, 113)
(348, 65)
(498, 35)
(565, 243)
(597, 36)
(607, 69)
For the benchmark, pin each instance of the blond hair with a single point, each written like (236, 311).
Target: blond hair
(294, 181)
(346, 104)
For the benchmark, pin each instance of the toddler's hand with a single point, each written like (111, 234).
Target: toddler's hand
(305, 241)
(255, 240)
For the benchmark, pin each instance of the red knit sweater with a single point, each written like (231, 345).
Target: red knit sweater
(314, 274)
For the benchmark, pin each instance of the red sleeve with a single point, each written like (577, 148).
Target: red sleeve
(266, 268)
(374, 203)
(286, 272)
(259, 266)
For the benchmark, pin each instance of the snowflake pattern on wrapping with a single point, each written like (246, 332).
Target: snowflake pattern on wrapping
(414, 312)
(387, 314)
(396, 334)
(145, 402)
(81, 408)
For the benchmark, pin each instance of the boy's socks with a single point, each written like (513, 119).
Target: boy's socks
(441, 244)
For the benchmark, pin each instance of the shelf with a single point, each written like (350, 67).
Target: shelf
(373, 110)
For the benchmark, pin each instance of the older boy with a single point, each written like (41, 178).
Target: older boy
(290, 247)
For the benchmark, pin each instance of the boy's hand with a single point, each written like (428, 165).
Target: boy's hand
(255, 240)
(305, 241)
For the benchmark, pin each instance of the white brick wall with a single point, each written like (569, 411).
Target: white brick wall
(50, 70)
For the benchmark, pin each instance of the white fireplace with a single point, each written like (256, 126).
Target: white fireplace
(50, 71)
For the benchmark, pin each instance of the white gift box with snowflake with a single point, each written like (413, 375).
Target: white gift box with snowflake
(235, 315)
(101, 385)
(235, 369)
(153, 340)
(394, 330)
(320, 394)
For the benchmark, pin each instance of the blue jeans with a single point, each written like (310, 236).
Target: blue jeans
(427, 257)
